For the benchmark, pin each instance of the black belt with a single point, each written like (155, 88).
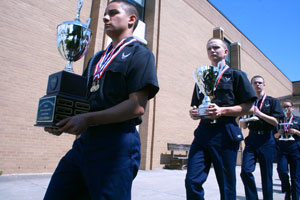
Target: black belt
(261, 132)
(219, 120)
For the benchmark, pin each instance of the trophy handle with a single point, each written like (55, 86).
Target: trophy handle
(68, 67)
(195, 76)
(88, 22)
(220, 65)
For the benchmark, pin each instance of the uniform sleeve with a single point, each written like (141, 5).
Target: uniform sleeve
(297, 124)
(276, 110)
(142, 74)
(243, 88)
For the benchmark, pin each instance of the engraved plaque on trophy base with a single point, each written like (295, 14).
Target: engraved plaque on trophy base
(66, 97)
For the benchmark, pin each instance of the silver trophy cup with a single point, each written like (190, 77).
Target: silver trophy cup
(205, 78)
(73, 39)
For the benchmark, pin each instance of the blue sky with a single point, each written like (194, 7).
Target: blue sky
(272, 25)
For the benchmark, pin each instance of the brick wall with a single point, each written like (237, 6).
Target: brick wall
(28, 57)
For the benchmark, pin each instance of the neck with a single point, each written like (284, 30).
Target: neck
(215, 63)
(118, 38)
(288, 114)
(260, 94)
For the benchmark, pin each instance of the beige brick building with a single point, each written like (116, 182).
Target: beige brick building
(176, 32)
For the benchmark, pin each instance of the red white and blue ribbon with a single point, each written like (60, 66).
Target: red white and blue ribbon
(287, 126)
(222, 70)
(108, 56)
(262, 102)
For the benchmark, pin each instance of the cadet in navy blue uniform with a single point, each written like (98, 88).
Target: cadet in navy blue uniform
(105, 159)
(260, 143)
(288, 156)
(218, 143)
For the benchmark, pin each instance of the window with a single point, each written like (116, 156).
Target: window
(227, 58)
(140, 5)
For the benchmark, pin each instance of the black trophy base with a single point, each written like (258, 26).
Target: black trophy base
(54, 108)
(66, 97)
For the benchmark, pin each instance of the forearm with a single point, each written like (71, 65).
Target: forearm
(128, 109)
(295, 131)
(269, 119)
(237, 110)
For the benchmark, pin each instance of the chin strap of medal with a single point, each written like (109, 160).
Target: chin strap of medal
(106, 58)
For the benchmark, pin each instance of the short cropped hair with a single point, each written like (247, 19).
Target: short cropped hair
(223, 42)
(257, 76)
(130, 8)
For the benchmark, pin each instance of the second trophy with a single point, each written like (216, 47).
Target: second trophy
(205, 78)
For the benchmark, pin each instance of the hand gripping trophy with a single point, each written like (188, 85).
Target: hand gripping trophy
(66, 91)
(249, 118)
(206, 78)
(285, 126)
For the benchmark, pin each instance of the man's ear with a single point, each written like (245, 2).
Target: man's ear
(226, 51)
(132, 20)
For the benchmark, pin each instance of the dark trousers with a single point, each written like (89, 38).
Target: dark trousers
(264, 152)
(219, 151)
(100, 166)
(288, 159)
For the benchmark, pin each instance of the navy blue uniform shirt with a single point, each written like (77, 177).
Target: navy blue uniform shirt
(296, 125)
(132, 70)
(271, 107)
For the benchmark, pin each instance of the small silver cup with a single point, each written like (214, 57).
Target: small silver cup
(286, 135)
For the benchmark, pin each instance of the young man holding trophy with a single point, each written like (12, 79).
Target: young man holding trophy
(288, 155)
(105, 159)
(222, 94)
(260, 143)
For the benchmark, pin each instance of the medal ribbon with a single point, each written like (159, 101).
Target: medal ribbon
(107, 58)
(223, 69)
(262, 102)
(286, 127)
